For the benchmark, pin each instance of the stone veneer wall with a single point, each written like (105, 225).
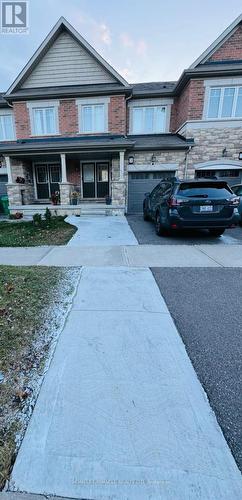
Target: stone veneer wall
(19, 193)
(141, 159)
(209, 144)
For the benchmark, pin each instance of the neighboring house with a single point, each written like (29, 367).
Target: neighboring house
(70, 122)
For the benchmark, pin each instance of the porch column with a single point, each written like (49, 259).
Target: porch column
(121, 165)
(63, 168)
(9, 172)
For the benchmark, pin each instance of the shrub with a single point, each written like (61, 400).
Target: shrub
(47, 215)
(37, 220)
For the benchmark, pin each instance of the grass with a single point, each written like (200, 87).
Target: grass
(27, 298)
(26, 234)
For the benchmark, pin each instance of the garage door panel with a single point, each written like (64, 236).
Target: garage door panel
(139, 186)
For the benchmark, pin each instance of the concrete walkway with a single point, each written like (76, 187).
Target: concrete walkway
(121, 414)
(101, 231)
(131, 256)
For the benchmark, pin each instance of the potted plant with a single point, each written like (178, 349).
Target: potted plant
(20, 180)
(55, 198)
(74, 196)
(108, 200)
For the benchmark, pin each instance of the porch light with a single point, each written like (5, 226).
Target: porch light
(153, 159)
(131, 160)
(240, 156)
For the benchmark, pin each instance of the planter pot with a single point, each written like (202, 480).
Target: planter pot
(74, 201)
(108, 200)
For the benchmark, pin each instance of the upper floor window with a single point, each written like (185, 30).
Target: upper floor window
(225, 102)
(93, 118)
(148, 119)
(6, 127)
(44, 117)
(93, 115)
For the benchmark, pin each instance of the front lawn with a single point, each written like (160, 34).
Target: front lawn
(33, 306)
(27, 234)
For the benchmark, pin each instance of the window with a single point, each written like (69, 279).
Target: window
(6, 127)
(229, 173)
(44, 121)
(92, 118)
(150, 175)
(148, 119)
(205, 173)
(225, 102)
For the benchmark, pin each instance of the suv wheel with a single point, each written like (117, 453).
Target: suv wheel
(145, 216)
(216, 232)
(158, 227)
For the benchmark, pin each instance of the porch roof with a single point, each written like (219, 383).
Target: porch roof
(68, 144)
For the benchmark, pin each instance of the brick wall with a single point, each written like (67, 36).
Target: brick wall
(117, 115)
(22, 121)
(189, 105)
(68, 117)
(231, 50)
(73, 172)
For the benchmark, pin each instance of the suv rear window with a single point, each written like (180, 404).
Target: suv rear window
(204, 190)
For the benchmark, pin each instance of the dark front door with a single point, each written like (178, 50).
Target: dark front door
(102, 175)
(42, 182)
(95, 179)
(48, 177)
(88, 180)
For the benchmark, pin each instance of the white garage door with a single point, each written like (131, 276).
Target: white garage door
(141, 183)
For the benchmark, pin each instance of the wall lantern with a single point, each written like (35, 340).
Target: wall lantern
(131, 160)
(240, 156)
(153, 159)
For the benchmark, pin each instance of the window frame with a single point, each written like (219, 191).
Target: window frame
(3, 113)
(92, 101)
(222, 89)
(143, 108)
(37, 105)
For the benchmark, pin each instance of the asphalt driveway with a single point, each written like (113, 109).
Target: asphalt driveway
(146, 235)
(206, 305)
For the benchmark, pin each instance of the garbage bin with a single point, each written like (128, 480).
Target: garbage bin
(4, 204)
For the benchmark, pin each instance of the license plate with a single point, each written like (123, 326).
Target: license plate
(206, 208)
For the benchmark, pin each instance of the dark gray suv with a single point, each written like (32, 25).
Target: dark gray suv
(199, 204)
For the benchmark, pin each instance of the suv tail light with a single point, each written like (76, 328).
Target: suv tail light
(234, 201)
(174, 202)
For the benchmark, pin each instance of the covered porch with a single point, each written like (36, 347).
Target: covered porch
(68, 182)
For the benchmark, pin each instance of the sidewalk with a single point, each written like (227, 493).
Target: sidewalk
(121, 413)
(128, 255)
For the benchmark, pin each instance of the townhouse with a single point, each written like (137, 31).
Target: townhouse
(71, 124)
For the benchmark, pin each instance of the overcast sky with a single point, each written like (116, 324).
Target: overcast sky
(145, 40)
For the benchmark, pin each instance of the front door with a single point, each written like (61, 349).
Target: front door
(48, 177)
(88, 180)
(95, 179)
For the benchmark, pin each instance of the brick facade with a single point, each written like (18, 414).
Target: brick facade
(117, 115)
(68, 117)
(22, 120)
(231, 50)
(189, 105)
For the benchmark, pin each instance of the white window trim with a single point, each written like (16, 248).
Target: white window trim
(6, 112)
(144, 132)
(89, 102)
(221, 85)
(43, 104)
(163, 101)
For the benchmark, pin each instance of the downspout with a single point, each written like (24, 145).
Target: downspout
(186, 162)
